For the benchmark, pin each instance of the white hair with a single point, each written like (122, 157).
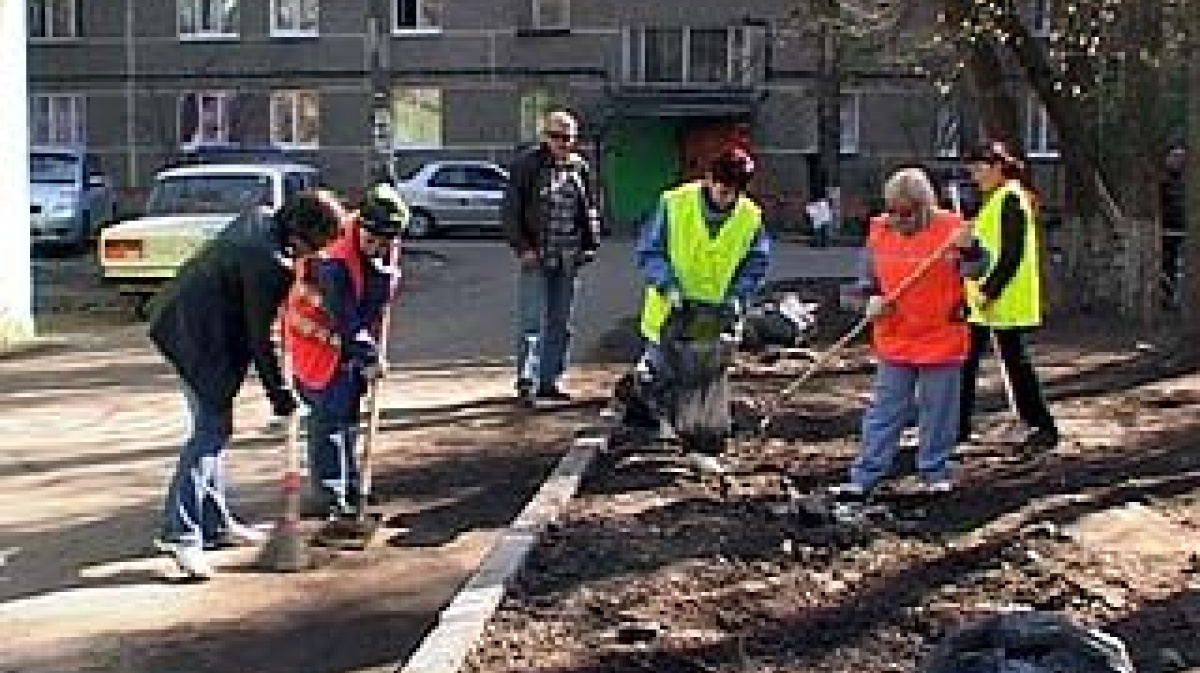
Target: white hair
(912, 185)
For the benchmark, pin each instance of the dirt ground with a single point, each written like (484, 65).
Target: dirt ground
(655, 569)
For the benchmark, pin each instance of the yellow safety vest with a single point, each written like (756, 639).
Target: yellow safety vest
(704, 265)
(1020, 302)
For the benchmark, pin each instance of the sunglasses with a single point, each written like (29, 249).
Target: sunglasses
(560, 136)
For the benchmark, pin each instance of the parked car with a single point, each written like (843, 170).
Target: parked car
(446, 195)
(70, 198)
(188, 206)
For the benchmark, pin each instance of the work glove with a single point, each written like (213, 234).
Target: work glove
(673, 296)
(734, 305)
(876, 306)
(283, 402)
(361, 351)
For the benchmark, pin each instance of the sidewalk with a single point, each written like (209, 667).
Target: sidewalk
(91, 438)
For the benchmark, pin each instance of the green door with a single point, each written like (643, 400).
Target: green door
(642, 160)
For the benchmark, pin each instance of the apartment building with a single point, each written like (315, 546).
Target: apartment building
(658, 84)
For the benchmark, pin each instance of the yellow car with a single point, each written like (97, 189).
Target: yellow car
(188, 206)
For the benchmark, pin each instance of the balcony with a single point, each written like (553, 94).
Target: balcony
(691, 71)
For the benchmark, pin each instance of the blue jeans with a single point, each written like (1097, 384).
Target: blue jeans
(544, 302)
(931, 393)
(333, 439)
(196, 511)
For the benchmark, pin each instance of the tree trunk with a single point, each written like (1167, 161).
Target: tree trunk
(16, 283)
(829, 113)
(1191, 264)
(1127, 244)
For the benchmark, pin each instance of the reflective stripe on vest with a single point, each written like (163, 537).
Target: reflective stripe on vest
(926, 324)
(1020, 302)
(704, 265)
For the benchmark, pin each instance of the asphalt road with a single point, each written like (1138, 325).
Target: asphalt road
(459, 298)
(464, 307)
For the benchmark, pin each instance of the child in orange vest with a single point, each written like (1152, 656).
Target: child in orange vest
(919, 332)
(332, 325)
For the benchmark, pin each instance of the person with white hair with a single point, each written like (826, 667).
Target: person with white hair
(551, 217)
(911, 281)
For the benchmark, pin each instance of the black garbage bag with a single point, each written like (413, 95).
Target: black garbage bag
(1028, 642)
(696, 350)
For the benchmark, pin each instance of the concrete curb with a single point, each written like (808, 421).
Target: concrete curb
(446, 647)
(34, 346)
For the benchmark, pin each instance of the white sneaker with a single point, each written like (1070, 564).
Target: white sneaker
(704, 463)
(848, 491)
(934, 487)
(189, 557)
(238, 532)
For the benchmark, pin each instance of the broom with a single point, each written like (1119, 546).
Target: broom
(287, 550)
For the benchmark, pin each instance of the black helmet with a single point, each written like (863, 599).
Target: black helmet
(733, 167)
(383, 211)
(314, 215)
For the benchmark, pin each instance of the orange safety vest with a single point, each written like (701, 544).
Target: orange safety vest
(310, 334)
(927, 323)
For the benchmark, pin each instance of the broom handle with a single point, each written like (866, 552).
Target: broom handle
(292, 482)
(861, 325)
(365, 475)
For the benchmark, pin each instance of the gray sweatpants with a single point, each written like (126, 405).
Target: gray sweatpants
(902, 391)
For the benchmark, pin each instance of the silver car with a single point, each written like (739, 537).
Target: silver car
(453, 195)
(70, 199)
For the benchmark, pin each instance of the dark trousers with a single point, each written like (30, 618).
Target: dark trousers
(333, 439)
(1027, 391)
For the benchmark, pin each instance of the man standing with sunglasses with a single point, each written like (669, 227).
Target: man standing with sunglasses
(552, 220)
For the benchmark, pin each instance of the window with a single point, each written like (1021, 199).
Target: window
(294, 17)
(56, 119)
(533, 107)
(418, 15)
(417, 117)
(662, 60)
(708, 55)
(294, 183)
(484, 179)
(205, 118)
(211, 194)
(450, 177)
(850, 123)
(208, 18)
(295, 118)
(551, 14)
(468, 177)
(946, 135)
(686, 55)
(53, 19)
(1040, 138)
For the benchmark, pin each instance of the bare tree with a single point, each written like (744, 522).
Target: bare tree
(1191, 286)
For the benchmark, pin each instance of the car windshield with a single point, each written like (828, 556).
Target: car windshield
(55, 168)
(208, 194)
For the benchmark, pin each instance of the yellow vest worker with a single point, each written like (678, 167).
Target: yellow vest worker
(1018, 303)
(704, 263)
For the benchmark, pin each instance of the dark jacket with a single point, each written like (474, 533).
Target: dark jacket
(524, 212)
(215, 318)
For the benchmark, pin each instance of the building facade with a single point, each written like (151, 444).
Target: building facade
(658, 85)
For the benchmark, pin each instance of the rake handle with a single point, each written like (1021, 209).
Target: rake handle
(365, 471)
